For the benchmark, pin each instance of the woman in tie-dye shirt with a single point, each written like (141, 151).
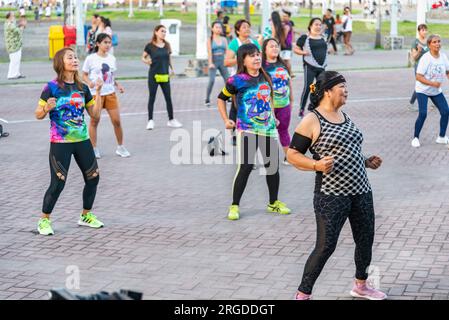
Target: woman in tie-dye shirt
(279, 72)
(65, 99)
(256, 126)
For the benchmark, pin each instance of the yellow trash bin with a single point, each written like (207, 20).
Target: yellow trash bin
(252, 9)
(55, 40)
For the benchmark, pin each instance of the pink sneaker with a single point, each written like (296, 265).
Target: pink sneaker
(362, 290)
(302, 296)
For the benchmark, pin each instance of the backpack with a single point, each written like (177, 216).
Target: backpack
(215, 145)
(3, 134)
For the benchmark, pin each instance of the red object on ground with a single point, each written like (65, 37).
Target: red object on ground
(69, 35)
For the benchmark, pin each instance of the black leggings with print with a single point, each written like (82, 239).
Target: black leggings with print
(331, 213)
(60, 157)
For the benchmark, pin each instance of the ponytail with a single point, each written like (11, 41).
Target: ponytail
(325, 81)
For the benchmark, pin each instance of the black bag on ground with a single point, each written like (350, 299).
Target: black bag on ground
(3, 134)
(64, 294)
(215, 145)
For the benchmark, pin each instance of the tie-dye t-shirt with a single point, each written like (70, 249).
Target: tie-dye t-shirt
(281, 83)
(67, 118)
(253, 100)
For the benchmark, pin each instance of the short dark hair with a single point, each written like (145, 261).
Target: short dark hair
(96, 15)
(312, 21)
(287, 12)
(8, 14)
(329, 10)
(219, 12)
(422, 26)
(238, 24)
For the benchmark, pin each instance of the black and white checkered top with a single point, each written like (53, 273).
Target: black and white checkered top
(342, 141)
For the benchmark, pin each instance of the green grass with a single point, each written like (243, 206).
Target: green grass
(405, 28)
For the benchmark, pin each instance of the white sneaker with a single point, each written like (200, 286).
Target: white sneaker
(442, 140)
(415, 143)
(150, 125)
(97, 153)
(412, 107)
(174, 123)
(122, 152)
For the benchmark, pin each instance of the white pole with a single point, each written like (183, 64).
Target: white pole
(140, 3)
(201, 30)
(332, 5)
(266, 14)
(161, 8)
(131, 11)
(209, 12)
(323, 7)
(421, 9)
(79, 23)
(394, 18)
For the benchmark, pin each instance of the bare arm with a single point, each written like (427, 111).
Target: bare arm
(310, 128)
(95, 110)
(87, 80)
(229, 124)
(42, 110)
(209, 52)
(146, 58)
(299, 51)
(423, 80)
(230, 58)
(171, 64)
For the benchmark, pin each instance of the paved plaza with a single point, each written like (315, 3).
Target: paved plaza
(166, 230)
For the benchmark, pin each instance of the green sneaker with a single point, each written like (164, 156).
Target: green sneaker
(44, 227)
(90, 220)
(234, 212)
(278, 207)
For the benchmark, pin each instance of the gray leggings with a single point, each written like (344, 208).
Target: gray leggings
(212, 74)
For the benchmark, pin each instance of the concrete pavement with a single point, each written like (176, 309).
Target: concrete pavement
(166, 230)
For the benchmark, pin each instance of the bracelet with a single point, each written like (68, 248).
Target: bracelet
(314, 164)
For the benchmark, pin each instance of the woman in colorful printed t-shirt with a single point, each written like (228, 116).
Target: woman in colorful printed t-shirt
(256, 126)
(65, 99)
(276, 67)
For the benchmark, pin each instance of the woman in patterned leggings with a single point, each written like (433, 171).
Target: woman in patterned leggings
(342, 189)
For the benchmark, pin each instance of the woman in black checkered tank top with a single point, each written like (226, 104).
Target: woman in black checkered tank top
(342, 189)
(343, 142)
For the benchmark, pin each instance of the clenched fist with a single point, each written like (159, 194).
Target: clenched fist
(51, 104)
(230, 124)
(325, 165)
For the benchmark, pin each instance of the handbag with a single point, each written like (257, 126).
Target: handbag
(161, 78)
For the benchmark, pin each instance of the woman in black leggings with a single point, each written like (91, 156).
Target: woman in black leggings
(342, 189)
(255, 125)
(157, 55)
(313, 48)
(65, 99)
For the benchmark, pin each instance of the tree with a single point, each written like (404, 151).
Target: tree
(246, 10)
(66, 14)
(378, 43)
